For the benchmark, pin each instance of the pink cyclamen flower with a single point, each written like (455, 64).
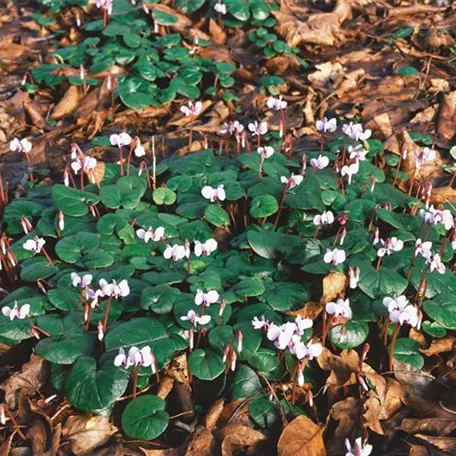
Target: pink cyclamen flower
(358, 449)
(292, 181)
(192, 109)
(307, 351)
(82, 162)
(20, 145)
(120, 140)
(81, 282)
(136, 357)
(205, 248)
(356, 132)
(21, 312)
(319, 163)
(206, 299)
(423, 248)
(139, 149)
(324, 125)
(220, 8)
(34, 245)
(214, 194)
(265, 152)
(353, 276)
(327, 218)
(340, 308)
(334, 257)
(195, 319)
(423, 156)
(150, 234)
(176, 252)
(436, 264)
(389, 246)
(258, 129)
(260, 323)
(276, 103)
(401, 311)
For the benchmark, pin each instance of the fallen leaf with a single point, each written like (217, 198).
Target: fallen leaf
(311, 310)
(30, 379)
(165, 387)
(217, 34)
(86, 432)
(446, 444)
(237, 435)
(202, 443)
(348, 414)
(334, 285)
(446, 120)
(34, 112)
(302, 437)
(68, 104)
(213, 414)
(435, 426)
(326, 73)
(343, 368)
(445, 344)
(372, 414)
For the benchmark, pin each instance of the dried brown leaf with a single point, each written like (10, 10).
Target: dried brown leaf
(217, 34)
(372, 414)
(334, 286)
(343, 368)
(440, 427)
(86, 432)
(446, 444)
(165, 387)
(311, 310)
(30, 379)
(445, 344)
(68, 104)
(202, 443)
(446, 121)
(34, 112)
(236, 435)
(213, 415)
(302, 437)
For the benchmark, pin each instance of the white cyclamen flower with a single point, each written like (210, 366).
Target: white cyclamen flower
(436, 264)
(324, 219)
(220, 8)
(319, 163)
(16, 312)
(206, 299)
(350, 171)
(192, 109)
(307, 351)
(324, 125)
(120, 140)
(83, 281)
(176, 252)
(340, 308)
(389, 246)
(34, 245)
(214, 194)
(401, 311)
(114, 289)
(357, 153)
(151, 234)
(276, 103)
(334, 257)
(258, 128)
(205, 248)
(292, 181)
(353, 276)
(423, 156)
(20, 145)
(195, 319)
(358, 449)
(265, 152)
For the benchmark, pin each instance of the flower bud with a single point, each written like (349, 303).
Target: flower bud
(61, 221)
(222, 307)
(226, 353)
(233, 360)
(239, 341)
(100, 331)
(191, 339)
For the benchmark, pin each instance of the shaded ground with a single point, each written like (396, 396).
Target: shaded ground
(390, 64)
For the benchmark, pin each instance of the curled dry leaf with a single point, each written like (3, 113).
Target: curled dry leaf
(343, 368)
(236, 435)
(446, 344)
(311, 310)
(165, 387)
(446, 444)
(30, 379)
(334, 286)
(86, 432)
(435, 426)
(326, 73)
(372, 414)
(68, 104)
(302, 437)
(178, 370)
(443, 194)
(348, 414)
(446, 121)
(202, 443)
(213, 415)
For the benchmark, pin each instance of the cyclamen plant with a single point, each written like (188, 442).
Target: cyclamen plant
(216, 259)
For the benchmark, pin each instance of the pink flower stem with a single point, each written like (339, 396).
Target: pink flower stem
(378, 263)
(48, 258)
(129, 159)
(135, 381)
(105, 321)
(260, 170)
(282, 201)
(190, 138)
(121, 161)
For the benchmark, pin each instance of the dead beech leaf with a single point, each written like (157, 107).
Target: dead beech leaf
(348, 414)
(445, 344)
(343, 368)
(165, 387)
(311, 310)
(178, 370)
(213, 415)
(446, 121)
(446, 444)
(327, 72)
(442, 194)
(217, 34)
(33, 110)
(202, 443)
(334, 285)
(68, 104)
(30, 379)
(302, 437)
(372, 414)
(236, 435)
(86, 432)
(434, 426)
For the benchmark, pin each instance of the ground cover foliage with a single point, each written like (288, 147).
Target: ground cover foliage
(228, 228)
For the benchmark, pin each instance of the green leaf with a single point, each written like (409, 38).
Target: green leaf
(285, 296)
(164, 195)
(71, 201)
(350, 335)
(244, 383)
(263, 411)
(407, 351)
(385, 282)
(189, 6)
(248, 287)
(442, 309)
(263, 206)
(205, 364)
(91, 388)
(216, 215)
(145, 418)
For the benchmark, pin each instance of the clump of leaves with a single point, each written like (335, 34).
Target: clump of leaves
(251, 261)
